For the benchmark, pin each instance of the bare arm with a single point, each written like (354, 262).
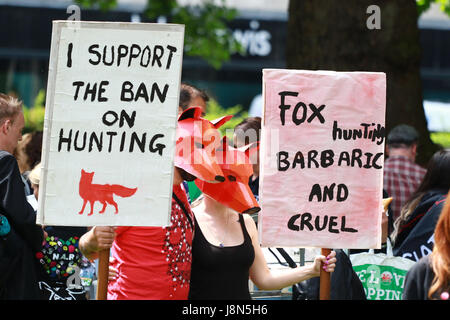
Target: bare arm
(96, 239)
(264, 279)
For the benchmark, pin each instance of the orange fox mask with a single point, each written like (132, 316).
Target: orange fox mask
(197, 141)
(234, 192)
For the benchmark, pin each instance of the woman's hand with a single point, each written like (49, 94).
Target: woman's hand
(329, 263)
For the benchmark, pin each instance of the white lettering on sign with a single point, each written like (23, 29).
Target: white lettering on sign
(256, 42)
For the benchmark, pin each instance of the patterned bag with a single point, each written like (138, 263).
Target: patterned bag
(382, 275)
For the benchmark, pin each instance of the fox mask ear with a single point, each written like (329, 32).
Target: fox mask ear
(191, 113)
(250, 149)
(220, 121)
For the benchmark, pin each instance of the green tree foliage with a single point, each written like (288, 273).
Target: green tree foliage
(34, 116)
(441, 138)
(424, 5)
(215, 111)
(207, 35)
(101, 4)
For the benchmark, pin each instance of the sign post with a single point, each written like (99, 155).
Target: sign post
(110, 124)
(322, 155)
(102, 274)
(325, 279)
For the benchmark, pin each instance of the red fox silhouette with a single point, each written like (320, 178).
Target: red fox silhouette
(100, 192)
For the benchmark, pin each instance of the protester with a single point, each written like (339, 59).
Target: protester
(430, 277)
(226, 253)
(150, 262)
(346, 284)
(34, 178)
(24, 238)
(226, 250)
(60, 258)
(28, 154)
(413, 230)
(28, 151)
(20, 155)
(247, 132)
(401, 176)
(191, 96)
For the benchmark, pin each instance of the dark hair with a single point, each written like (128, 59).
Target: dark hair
(33, 149)
(437, 177)
(251, 123)
(438, 173)
(189, 92)
(402, 136)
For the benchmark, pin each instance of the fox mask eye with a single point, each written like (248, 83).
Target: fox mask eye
(231, 178)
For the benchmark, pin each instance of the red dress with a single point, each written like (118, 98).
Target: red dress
(154, 263)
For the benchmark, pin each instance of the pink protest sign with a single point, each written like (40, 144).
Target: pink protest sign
(322, 157)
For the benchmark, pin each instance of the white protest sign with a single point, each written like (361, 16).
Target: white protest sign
(110, 121)
(322, 159)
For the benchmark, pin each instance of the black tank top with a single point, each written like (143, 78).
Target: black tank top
(220, 273)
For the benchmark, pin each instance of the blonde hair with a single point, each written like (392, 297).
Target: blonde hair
(440, 257)
(21, 155)
(10, 107)
(35, 174)
(405, 213)
(28, 151)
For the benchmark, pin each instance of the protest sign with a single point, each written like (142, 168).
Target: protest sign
(322, 157)
(110, 121)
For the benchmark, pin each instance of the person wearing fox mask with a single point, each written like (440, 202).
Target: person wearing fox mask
(225, 249)
(154, 263)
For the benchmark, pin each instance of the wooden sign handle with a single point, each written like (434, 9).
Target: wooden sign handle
(325, 279)
(102, 274)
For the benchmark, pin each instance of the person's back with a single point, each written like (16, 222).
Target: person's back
(401, 175)
(414, 237)
(21, 282)
(429, 278)
(413, 232)
(25, 237)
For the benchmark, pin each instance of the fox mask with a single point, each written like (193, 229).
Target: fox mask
(234, 192)
(197, 141)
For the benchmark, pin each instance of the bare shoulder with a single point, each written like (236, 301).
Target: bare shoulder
(250, 225)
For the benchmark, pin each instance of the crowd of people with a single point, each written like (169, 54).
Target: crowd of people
(211, 249)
